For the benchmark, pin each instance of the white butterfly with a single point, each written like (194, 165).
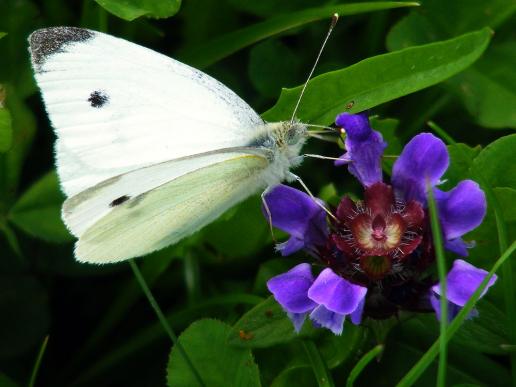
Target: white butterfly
(149, 150)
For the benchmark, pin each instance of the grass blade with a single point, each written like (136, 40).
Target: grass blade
(37, 364)
(163, 319)
(441, 269)
(321, 372)
(362, 363)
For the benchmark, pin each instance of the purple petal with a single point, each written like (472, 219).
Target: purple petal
(453, 309)
(335, 293)
(356, 316)
(343, 160)
(328, 319)
(291, 246)
(458, 246)
(424, 158)
(297, 319)
(364, 148)
(462, 209)
(296, 213)
(290, 289)
(356, 125)
(462, 281)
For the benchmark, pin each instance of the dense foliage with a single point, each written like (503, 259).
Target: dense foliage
(448, 62)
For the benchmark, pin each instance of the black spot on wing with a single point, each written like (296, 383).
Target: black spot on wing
(98, 98)
(48, 41)
(120, 200)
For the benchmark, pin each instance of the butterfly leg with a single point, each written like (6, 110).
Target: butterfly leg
(268, 211)
(296, 177)
(321, 157)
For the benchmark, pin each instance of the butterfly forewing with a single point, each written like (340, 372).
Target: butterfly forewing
(117, 106)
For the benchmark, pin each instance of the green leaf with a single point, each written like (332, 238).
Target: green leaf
(11, 238)
(267, 76)
(488, 89)
(240, 232)
(337, 349)
(442, 19)
(25, 314)
(11, 162)
(387, 127)
(487, 334)
(269, 269)
(265, 325)
(379, 79)
(507, 197)
(225, 45)
(6, 131)
(461, 158)
(2, 34)
(38, 211)
(297, 375)
(496, 162)
(5, 381)
(218, 363)
(132, 9)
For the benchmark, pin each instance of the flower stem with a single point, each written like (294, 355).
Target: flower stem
(507, 270)
(441, 269)
(37, 364)
(362, 363)
(321, 372)
(417, 370)
(163, 319)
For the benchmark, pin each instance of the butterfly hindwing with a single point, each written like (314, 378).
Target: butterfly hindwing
(172, 211)
(87, 207)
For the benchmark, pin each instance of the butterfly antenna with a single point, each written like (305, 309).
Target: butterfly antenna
(333, 23)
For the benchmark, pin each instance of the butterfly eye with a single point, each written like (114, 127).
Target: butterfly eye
(294, 134)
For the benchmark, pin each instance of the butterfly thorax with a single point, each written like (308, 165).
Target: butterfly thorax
(283, 142)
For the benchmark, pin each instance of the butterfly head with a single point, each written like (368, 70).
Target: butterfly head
(288, 137)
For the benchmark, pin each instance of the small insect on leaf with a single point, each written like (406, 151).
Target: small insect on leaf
(245, 335)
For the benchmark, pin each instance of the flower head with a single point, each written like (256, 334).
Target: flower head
(377, 250)
(378, 230)
(421, 164)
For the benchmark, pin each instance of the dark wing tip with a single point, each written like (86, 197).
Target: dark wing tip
(47, 41)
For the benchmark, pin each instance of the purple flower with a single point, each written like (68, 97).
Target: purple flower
(462, 281)
(460, 210)
(290, 289)
(364, 148)
(328, 299)
(377, 251)
(296, 213)
(423, 162)
(337, 298)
